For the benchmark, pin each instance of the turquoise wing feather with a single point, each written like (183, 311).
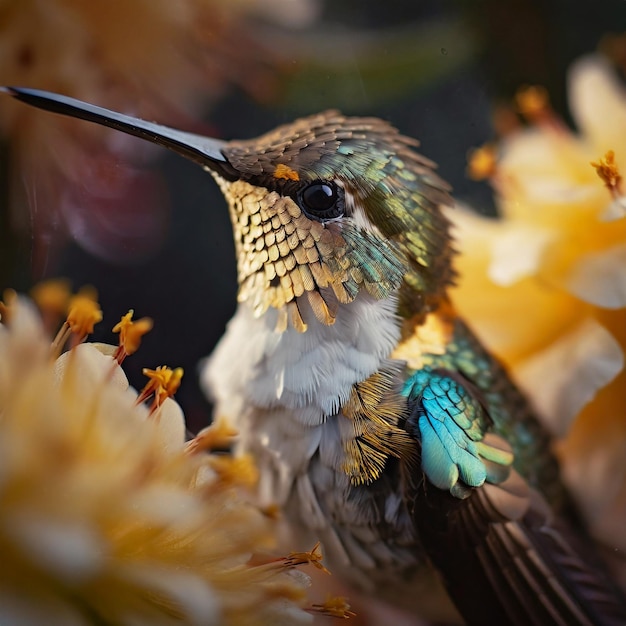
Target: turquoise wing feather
(458, 451)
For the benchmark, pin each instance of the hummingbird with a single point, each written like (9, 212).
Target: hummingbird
(379, 423)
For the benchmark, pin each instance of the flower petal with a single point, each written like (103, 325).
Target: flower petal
(95, 362)
(70, 550)
(187, 593)
(23, 345)
(517, 253)
(564, 377)
(171, 426)
(600, 278)
(515, 320)
(616, 210)
(598, 104)
(19, 610)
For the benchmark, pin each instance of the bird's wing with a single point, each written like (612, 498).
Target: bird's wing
(448, 418)
(502, 554)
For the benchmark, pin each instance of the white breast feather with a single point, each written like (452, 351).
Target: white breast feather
(312, 372)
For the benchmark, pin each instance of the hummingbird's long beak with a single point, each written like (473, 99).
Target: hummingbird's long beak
(202, 150)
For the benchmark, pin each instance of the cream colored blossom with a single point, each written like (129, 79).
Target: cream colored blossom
(103, 516)
(545, 285)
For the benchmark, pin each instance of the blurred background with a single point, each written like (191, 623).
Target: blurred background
(150, 230)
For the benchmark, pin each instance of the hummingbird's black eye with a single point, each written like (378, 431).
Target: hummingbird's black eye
(321, 200)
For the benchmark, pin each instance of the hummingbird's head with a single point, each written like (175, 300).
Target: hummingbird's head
(329, 206)
(323, 209)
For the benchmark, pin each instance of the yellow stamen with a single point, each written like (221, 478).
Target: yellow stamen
(131, 334)
(219, 435)
(52, 296)
(123, 324)
(608, 172)
(314, 557)
(156, 384)
(174, 382)
(334, 607)
(234, 471)
(482, 162)
(164, 383)
(533, 103)
(9, 297)
(84, 312)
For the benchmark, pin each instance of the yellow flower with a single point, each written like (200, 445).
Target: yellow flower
(104, 517)
(545, 285)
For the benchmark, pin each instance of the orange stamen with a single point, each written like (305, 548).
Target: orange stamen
(482, 162)
(218, 435)
(130, 334)
(313, 556)
(608, 172)
(334, 607)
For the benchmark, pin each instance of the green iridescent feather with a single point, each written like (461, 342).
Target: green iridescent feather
(380, 168)
(452, 424)
(509, 414)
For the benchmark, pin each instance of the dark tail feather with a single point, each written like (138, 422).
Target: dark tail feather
(505, 559)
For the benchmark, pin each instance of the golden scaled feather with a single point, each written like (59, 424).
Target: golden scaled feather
(376, 409)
